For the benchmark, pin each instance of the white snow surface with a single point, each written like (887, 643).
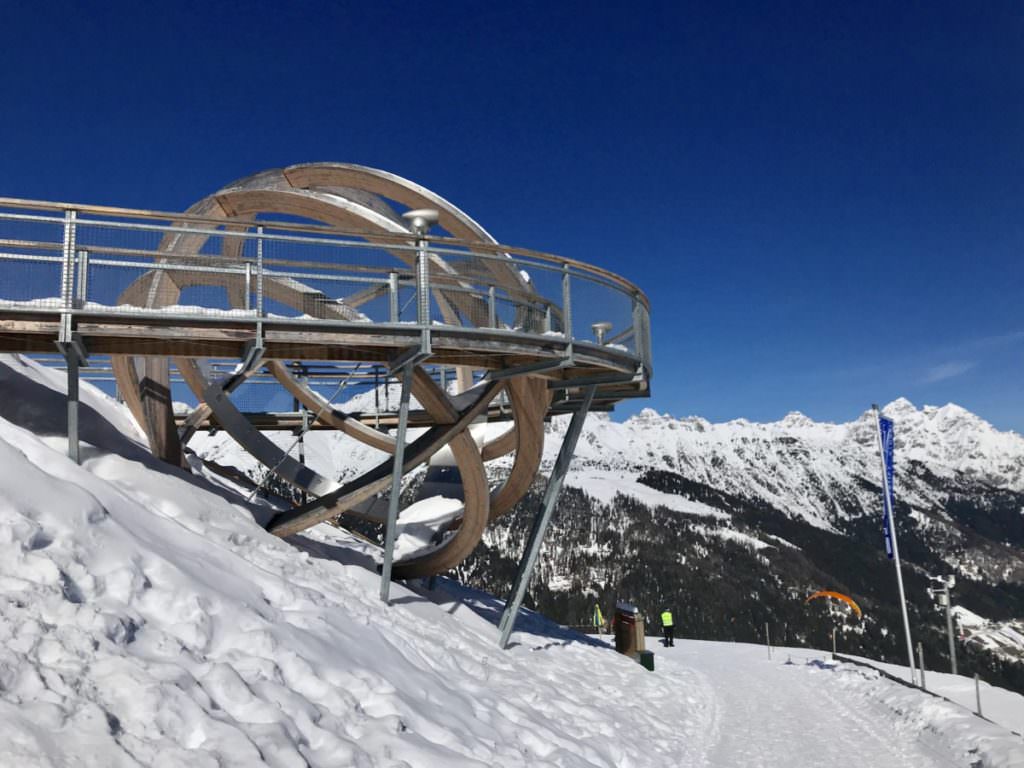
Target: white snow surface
(799, 708)
(146, 619)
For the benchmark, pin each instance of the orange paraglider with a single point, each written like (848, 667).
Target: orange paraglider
(837, 596)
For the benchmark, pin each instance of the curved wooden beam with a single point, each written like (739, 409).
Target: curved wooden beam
(377, 479)
(475, 495)
(530, 397)
(326, 413)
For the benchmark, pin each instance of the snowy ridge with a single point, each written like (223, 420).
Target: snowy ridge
(801, 466)
(822, 473)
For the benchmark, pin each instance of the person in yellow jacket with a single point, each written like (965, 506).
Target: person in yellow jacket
(668, 627)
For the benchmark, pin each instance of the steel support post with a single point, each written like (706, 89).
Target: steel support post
(396, 485)
(543, 518)
(74, 452)
(492, 308)
(303, 427)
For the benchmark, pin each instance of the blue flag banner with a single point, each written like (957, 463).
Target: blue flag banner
(886, 434)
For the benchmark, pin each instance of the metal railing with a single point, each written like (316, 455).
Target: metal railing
(74, 260)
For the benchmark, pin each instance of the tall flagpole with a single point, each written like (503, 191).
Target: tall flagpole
(887, 497)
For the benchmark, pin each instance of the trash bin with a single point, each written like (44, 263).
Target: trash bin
(625, 628)
(647, 660)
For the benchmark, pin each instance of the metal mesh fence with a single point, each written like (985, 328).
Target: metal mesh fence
(601, 314)
(31, 258)
(122, 265)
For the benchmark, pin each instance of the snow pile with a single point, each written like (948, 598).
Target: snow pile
(145, 619)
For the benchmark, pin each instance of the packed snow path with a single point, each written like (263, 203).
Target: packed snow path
(797, 709)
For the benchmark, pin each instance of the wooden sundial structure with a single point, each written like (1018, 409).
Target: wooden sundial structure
(343, 269)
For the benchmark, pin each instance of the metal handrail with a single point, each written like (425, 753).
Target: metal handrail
(431, 266)
(399, 241)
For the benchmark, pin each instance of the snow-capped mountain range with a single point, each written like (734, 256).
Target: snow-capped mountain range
(801, 466)
(751, 515)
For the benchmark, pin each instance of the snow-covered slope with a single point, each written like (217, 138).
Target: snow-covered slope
(146, 619)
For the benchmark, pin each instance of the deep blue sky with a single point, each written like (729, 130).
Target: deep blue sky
(824, 201)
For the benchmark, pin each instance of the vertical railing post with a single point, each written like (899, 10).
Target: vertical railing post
(396, 485)
(259, 286)
(82, 288)
(641, 335)
(638, 329)
(393, 297)
(259, 271)
(67, 276)
(543, 518)
(566, 304)
(423, 294)
(248, 286)
(492, 308)
(420, 222)
(422, 284)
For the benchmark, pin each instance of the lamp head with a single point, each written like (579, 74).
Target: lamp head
(421, 219)
(600, 329)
